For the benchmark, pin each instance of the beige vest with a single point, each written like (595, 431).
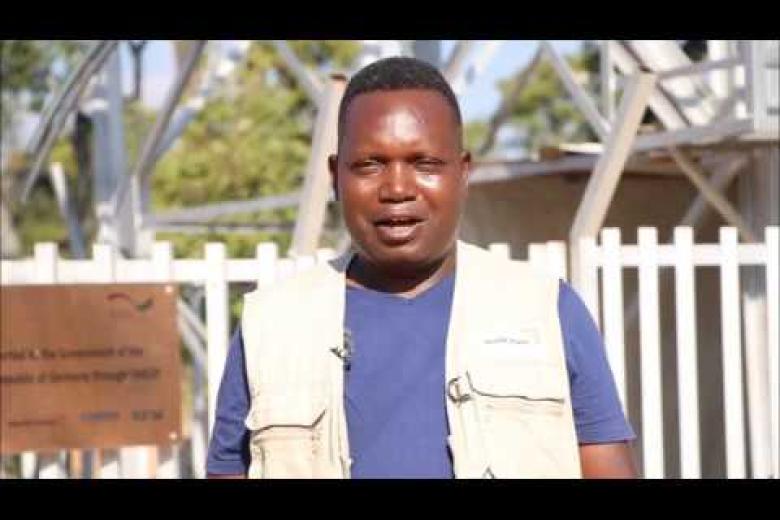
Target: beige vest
(508, 399)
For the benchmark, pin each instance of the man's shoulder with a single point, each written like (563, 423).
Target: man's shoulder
(571, 307)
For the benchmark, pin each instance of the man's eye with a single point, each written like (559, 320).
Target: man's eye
(367, 166)
(428, 165)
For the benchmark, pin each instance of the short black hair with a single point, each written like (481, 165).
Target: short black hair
(397, 73)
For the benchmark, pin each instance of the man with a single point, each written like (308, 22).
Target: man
(453, 362)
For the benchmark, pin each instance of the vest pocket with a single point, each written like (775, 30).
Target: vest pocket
(284, 438)
(523, 418)
(523, 390)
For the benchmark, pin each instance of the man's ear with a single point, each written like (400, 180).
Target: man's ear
(333, 167)
(465, 163)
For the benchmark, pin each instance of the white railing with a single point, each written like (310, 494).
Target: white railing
(214, 272)
(682, 257)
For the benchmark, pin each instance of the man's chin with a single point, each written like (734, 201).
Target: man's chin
(397, 258)
(405, 259)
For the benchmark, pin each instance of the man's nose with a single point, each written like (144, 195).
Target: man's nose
(398, 184)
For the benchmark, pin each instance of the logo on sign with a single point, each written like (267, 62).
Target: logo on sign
(141, 306)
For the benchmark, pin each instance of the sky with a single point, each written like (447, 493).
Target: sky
(478, 101)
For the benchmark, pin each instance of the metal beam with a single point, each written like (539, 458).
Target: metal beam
(145, 157)
(456, 64)
(664, 55)
(719, 180)
(608, 79)
(307, 79)
(316, 183)
(60, 185)
(209, 212)
(728, 105)
(220, 68)
(9, 239)
(77, 76)
(105, 108)
(699, 68)
(428, 50)
(759, 87)
(142, 169)
(460, 71)
(497, 171)
(601, 186)
(581, 98)
(711, 194)
(223, 227)
(662, 106)
(694, 135)
(49, 129)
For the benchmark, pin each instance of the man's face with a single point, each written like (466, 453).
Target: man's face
(401, 177)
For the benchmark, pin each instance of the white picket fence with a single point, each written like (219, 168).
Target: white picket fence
(683, 257)
(215, 272)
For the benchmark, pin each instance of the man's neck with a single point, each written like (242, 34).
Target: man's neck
(404, 283)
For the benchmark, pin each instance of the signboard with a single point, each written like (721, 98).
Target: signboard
(88, 366)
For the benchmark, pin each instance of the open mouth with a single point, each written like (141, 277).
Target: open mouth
(399, 229)
(397, 221)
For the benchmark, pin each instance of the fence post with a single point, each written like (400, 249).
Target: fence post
(650, 355)
(732, 354)
(773, 338)
(166, 462)
(614, 331)
(687, 372)
(586, 258)
(217, 322)
(267, 255)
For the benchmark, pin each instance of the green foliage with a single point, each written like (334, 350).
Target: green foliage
(41, 222)
(138, 121)
(33, 66)
(63, 153)
(334, 54)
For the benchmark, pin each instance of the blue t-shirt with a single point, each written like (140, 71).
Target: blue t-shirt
(394, 387)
